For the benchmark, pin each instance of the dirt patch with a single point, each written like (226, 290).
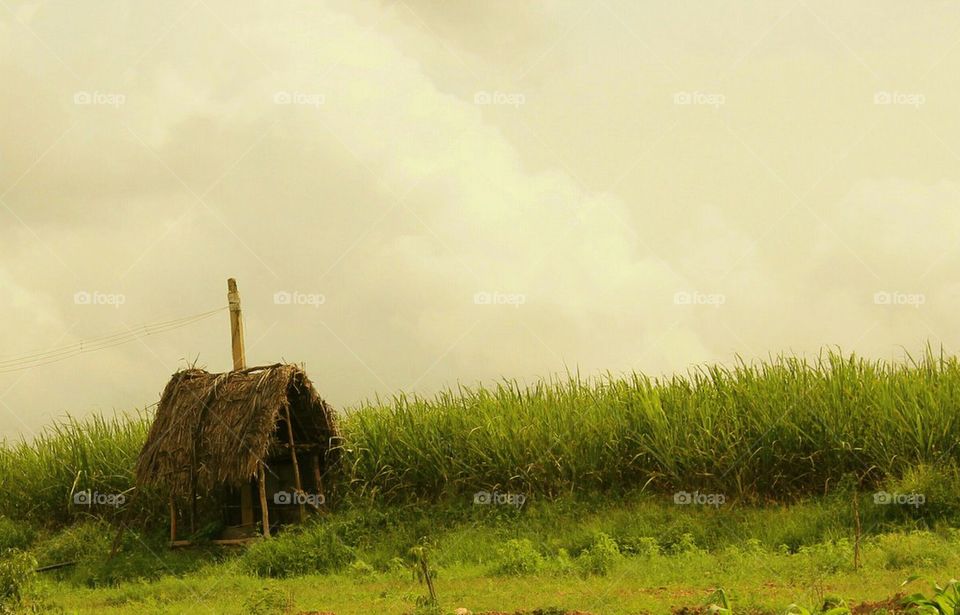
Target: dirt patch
(535, 612)
(891, 606)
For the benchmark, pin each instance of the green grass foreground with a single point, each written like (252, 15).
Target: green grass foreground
(639, 555)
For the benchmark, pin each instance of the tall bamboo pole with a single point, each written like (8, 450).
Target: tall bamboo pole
(240, 362)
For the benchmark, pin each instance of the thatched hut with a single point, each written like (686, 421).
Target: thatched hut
(218, 439)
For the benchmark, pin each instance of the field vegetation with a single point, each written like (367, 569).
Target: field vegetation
(780, 481)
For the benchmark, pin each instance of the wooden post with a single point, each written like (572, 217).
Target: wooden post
(236, 326)
(239, 362)
(246, 505)
(296, 466)
(317, 476)
(173, 521)
(193, 509)
(265, 514)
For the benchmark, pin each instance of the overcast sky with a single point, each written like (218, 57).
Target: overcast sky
(413, 194)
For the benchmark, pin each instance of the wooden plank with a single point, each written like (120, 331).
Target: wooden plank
(55, 566)
(226, 542)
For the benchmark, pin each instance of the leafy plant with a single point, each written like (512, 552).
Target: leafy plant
(518, 557)
(602, 555)
(718, 602)
(945, 599)
(268, 601)
(829, 607)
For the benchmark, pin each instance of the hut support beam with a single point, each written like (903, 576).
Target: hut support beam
(265, 514)
(317, 476)
(297, 483)
(173, 521)
(246, 504)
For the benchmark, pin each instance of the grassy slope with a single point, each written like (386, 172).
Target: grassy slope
(759, 581)
(766, 557)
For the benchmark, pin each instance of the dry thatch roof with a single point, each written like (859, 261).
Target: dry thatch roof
(213, 429)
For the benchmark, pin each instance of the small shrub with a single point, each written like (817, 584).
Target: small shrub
(640, 546)
(753, 546)
(600, 558)
(76, 543)
(684, 545)
(647, 547)
(15, 535)
(361, 569)
(562, 564)
(519, 557)
(316, 549)
(829, 557)
(268, 601)
(16, 573)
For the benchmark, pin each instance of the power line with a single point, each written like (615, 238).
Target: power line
(54, 355)
(129, 333)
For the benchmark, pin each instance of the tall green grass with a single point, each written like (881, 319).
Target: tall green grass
(39, 477)
(775, 430)
(779, 429)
